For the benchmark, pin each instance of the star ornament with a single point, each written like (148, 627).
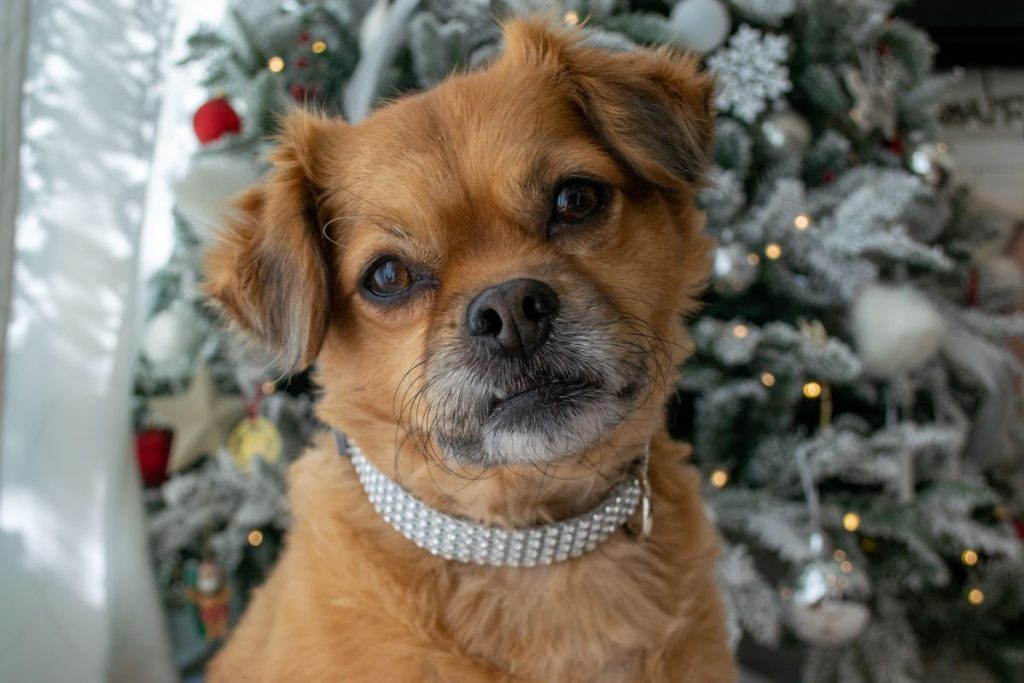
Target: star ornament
(201, 419)
(874, 105)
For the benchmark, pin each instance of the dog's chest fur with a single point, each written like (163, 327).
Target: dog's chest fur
(351, 599)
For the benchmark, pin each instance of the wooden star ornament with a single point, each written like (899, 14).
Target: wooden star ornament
(201, 419)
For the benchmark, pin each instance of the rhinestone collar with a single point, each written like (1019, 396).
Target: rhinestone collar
(461, 540)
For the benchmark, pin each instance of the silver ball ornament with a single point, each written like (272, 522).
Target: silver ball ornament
(701, 25)
(932, 162)
(784, 133)
(826, 602)
(735, 268)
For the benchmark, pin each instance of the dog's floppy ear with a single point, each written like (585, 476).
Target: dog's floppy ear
(270, 269)
(652, 108)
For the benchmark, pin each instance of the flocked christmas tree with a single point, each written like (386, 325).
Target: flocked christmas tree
(849, 395)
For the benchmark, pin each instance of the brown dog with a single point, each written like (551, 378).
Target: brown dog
(492, 275)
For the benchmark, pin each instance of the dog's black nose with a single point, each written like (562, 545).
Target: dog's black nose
(513, 318)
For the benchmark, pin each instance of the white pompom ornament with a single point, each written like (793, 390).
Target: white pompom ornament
(171, 337)
(896, 329)
(701, 25)
(202, 196)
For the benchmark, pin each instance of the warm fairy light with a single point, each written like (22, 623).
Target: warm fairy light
(851, 521)
(318, 47)
(255, 537)
(802, 222)
(719, 478)
(846, 566)
(268, 388)
(812, 390)
(942, 147)
(773, 251)
(969, 557)
(831, 580)
(753, 259)
(740, 331)
(275, 64)
(839, 555)
(572, 18)
(767, 379)
(975, 596)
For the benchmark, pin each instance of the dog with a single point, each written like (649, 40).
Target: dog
(492, 277)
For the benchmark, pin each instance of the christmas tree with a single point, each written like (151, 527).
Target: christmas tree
(848, 395)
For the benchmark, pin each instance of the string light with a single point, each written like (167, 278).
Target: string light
(942, 148)
(753, 259)
(318, 47)
(740, 331)
(572, 18)
(719, 478)
(851, 521)
(846, 566)
(975, 596)
(268, 388)
(773, 251)
(969, 557)
(802, 222)
(275, 64)
(839, 555)
(767, 379)
(812, 390)
(255, 537)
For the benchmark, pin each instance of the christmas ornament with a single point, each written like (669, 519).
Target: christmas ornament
(700, 25)
(826, 601)
(784, 133)
(211, 596)
(152, 453)
(735, 268)
(215, 119)
(932, 162)
(171, 337)
(254, 437)
(751, 72)
(874, 104)
(202, 195)
(896, 328)
(201, 419)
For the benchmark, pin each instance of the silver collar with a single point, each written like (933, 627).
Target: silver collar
(473, 542)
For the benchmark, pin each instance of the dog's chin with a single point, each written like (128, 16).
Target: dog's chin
(544, 424)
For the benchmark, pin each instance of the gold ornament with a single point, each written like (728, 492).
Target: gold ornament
(201, 419)
(254, 437)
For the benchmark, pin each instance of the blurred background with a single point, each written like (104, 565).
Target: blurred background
(853, 394)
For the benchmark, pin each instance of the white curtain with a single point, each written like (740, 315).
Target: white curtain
(77, 598)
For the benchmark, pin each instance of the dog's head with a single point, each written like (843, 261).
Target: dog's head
(498, 266)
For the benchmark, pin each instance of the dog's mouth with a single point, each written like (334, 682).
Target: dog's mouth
(531, 393)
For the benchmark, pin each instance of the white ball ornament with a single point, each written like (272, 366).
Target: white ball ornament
(203, 194)
(171, 337)
(826, 602)
(896, 329)
(701, 25)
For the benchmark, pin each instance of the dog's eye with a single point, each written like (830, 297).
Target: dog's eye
(577, 200)
(388, 277)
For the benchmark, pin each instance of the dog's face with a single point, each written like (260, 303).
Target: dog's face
(499, 266)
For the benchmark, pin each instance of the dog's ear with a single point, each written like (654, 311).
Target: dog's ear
(270, 268)
(652, 108)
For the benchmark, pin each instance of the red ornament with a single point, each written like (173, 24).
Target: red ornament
(827, 177)
(214, 120)
(301, 63)
(153, 452)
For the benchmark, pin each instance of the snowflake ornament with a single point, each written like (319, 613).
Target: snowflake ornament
(751, 72)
